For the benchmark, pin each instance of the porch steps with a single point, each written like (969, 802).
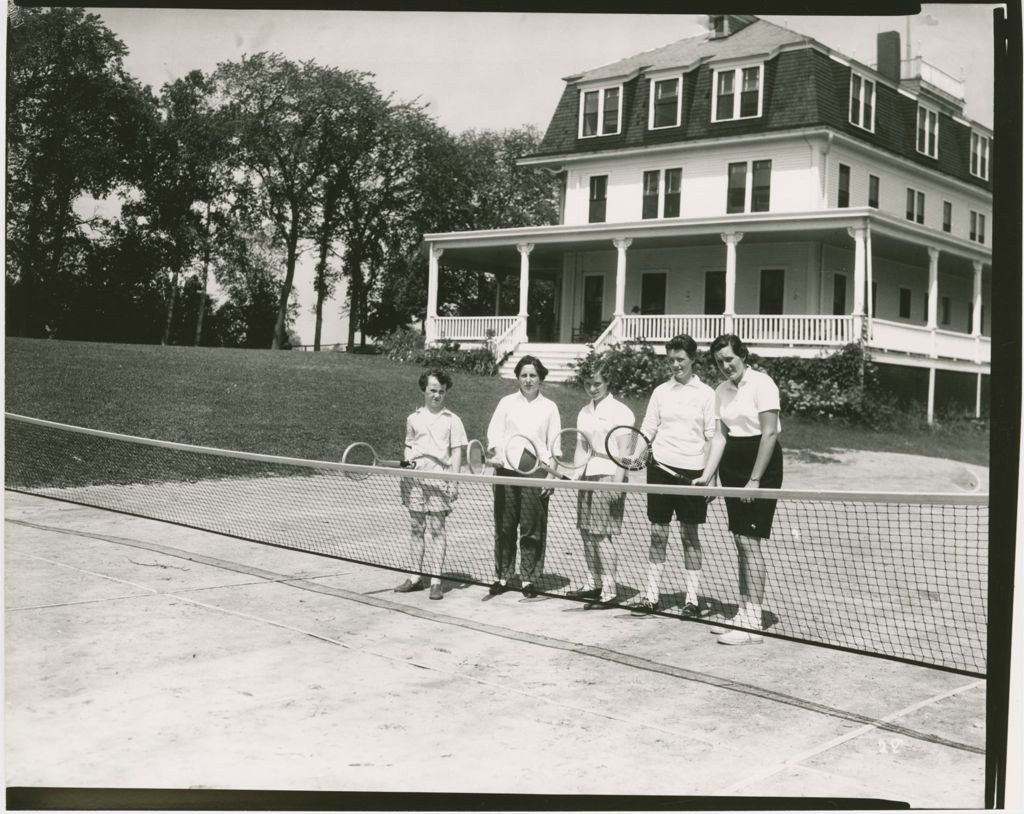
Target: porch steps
(556, 357)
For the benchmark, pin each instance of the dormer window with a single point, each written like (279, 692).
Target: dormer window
(666, 103)
(737, 93)
(979, 155)
(862, 102)
(600, 112)
(927, 131)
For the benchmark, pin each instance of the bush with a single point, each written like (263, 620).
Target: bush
(406, 345)
(840, 386)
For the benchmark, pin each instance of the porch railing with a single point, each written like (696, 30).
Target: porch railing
(459, 329)
(511, 338)
(795, 329)
(895, 336)
(662, 327)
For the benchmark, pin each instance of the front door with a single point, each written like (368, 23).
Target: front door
(593, 301)
(540, 301)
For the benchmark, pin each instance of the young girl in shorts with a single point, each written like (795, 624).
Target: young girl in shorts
(435, 440)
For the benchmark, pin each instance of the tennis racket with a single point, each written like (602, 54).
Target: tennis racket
(363, 454)
(476, 457)
(573, 451)
(631, 449)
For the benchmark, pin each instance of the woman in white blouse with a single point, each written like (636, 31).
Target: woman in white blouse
(599, 513)
(746, 453)
(521, 513)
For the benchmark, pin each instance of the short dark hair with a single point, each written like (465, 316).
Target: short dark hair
(733, 342)
(597, 366)
(682, 342)
(441, 376)
(538, 365)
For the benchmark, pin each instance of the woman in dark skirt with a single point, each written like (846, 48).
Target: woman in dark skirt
(746, 453)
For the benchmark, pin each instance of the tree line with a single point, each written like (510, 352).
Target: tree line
(228, 177)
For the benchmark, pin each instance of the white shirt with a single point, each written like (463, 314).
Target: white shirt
(740, 407)
(680, 420)
(538, 420)
(435, 434)
(594, 421)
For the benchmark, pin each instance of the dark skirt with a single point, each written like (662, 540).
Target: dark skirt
(752, 519)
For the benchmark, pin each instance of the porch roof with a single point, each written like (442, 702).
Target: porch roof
(896, 238)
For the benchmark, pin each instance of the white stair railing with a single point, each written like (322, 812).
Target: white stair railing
(608, 335)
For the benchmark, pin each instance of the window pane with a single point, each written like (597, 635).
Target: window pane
(983, 168)
(590, 113)
(838, 294)
(947, 216)
(873, 191)
(855, 99)
(611, 111)
(974, 225)
(598, 198)
(910, 204)
(673, 187)
(844, 186)
(920, 207)
(652, 181)
(748, 98)
(981, 228)
(869, 103)
(933, 128)
(974, 154)
(737, 188)
(726, 82)
(761, 193)
(905, 303)
(772, 297)
(921, 136)
(714, 292)
(666, 97)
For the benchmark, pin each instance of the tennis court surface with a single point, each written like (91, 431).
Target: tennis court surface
(142, 654)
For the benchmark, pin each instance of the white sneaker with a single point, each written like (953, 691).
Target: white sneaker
(738, 620)
(740, 637)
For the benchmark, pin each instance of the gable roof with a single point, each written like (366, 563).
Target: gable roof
(756, 38)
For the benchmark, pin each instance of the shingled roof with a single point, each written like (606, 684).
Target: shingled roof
(757, 38)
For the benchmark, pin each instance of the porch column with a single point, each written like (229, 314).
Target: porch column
(730, 239)
(931, 394)
(621, 244)
(976, 318)
(859, 235)
(933, 288)
(524, 276)
(432, 278)
(977, 398)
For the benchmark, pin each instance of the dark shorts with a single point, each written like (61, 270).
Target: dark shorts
(686, 509)
(752, 519)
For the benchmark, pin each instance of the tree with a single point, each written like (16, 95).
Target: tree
(249, 272)
(276, 108)
(76, 123)
(346, 133)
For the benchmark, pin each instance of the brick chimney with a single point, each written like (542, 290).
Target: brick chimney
(889, 55)
(724, 25)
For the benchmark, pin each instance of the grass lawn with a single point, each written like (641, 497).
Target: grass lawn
(312, 405)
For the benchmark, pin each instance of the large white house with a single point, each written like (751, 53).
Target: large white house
(752, 180)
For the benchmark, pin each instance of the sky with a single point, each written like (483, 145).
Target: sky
(492, 70)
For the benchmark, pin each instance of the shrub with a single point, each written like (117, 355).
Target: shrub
(632, 369)
(406, 345)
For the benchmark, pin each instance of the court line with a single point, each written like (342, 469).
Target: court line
(793, 762)
(593, 651)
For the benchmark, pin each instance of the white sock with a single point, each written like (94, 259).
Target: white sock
(692, 585)
(435, 580)
(654, 580)
(754, 615)
(607, 587)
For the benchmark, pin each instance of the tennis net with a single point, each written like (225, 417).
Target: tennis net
(898, 576)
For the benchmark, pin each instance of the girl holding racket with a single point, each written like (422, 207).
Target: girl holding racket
(521, 512)
(434, 440)
(746, 453)
(599, 513)
(680, 422)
